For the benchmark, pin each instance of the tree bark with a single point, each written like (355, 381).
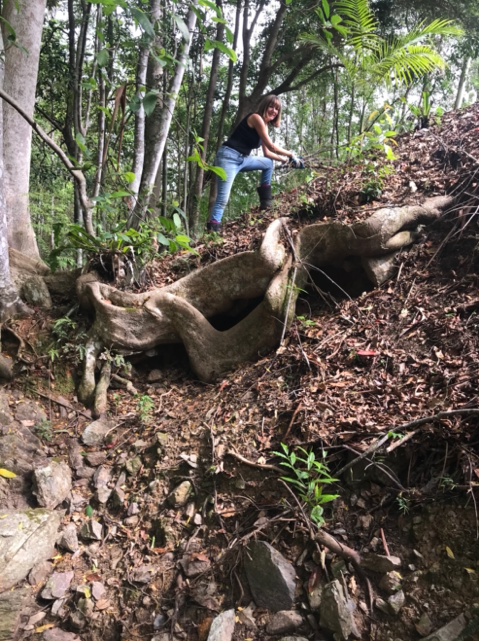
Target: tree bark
(159, 131)
(462, 83)
(205, 128)
(21, 71)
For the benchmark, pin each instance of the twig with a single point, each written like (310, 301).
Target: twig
(265, 466)
(63, 404)
(298, 409)
(372, 448)
(401, 441)
(385, 545)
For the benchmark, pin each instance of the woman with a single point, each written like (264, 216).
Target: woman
(234, 156)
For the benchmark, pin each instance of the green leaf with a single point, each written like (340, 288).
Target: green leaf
(129, 176)
(182, 27)
(162, 239)
(177, 221)
(80, 141)
(326, 8)
(181, 238)
(219, 171)
(335, 20)
(119, 194)
(143, 20)
(88, 510)
(102, 57)
(210, 44)
(150, 100)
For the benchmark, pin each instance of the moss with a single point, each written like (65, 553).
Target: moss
(64, 381)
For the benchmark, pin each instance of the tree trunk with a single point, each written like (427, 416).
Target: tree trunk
(21, 70)
(139, 140)
(462, 83)
(160, 126)
(205, 129)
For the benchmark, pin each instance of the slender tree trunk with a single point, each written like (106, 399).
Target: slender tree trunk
(139, 140)
(462, 83)
(21, 71)
(155, 144)
(205, 129)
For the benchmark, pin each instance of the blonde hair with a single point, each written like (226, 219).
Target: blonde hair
(264, 105)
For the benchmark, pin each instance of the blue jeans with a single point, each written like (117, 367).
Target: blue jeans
(233, 162)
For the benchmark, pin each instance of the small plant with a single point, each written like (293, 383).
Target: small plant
(404, 504)
(145, 406)
(43, 430)
(310, 477)
(306, 322)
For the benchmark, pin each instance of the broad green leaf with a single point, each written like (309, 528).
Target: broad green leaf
(129, 176)
(177, 221)
(335, 20)
(181, 238)
(88, 510)
(149, 101)
(326, 8)
(119, 194)
(163, 240)
(182, 27)
(144, 21)
(102, 57)
(223, 48)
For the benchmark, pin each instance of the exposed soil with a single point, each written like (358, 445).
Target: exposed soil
(357, 365)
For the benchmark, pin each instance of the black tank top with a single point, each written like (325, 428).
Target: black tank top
(244, 138)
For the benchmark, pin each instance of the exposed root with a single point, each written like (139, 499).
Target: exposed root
(86, 390)
(100, 404)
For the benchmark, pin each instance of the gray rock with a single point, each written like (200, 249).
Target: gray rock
(6, 416)
(142, 574)
(391, 582)
(29, 411)
(57, 585)
(194, 564)
(424, 625)
(379, 562)
(117, 497)
(246, 617)
(12, 605)
(95, 458)
(75, 457)
(35, 291)
(26, 538)
(335, 614)
(86, 607)
(133, 466)
(55, 634)
(97, 590)
(382, 605)
(40, 572)
(58, 609)
(284, 622)
(92, 530)
(449, 632)
(133, 508)
(222, 627)
(396, 601)
(131, 521)
(94, 434)
(380, 269)
(270, 576)
(314, 597)
(69, 538)
(85, 472)
(179, 496)
(52, 483)
(101, 478)
(154, 376)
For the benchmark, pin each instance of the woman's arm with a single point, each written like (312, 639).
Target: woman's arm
(269, 154)
(269, 147)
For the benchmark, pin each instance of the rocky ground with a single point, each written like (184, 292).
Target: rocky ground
(168, 519)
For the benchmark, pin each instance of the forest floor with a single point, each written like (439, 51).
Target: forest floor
(359, 364)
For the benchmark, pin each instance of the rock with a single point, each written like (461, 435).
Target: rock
(40, 572)
(52, 483)
(379, 562)
(95, 458)
(57, 585)
(335, 614)
(424, 625)
(179, 496)
(154, 376)
(133, 508)
(35, 292)
(101, 478)
(92, 530)
(131, 521)
(97, 590)
(6, 367)
(85, 472)
(117, 497)
(133, 466)
(26, 538)
(380, 269)
(270, 576)
(86, 607)
(314, 597)
(449, 632)
(12, 605)
(382, 605)
(56, 634)
(222, 627)
(75, 457)
(142, 574)
(391, 582)
(95, 433)
(284, 622)
(57, 608)
(69, 538)
(396, 602)
(77, 620)
(161, 438)
(6, 416)
(29, 411)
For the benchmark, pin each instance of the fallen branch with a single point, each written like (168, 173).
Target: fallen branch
(265, 466)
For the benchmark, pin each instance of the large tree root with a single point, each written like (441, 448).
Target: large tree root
(179, 313)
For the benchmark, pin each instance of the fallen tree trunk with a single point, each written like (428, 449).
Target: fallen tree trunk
(180, 313)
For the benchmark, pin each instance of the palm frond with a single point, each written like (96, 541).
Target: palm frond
(434, 28)
(403, 63)
(356, 15)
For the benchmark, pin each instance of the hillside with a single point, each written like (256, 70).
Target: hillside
(381, 382)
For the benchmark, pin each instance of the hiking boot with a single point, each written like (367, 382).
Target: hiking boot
(265, 198)
(213, 226)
